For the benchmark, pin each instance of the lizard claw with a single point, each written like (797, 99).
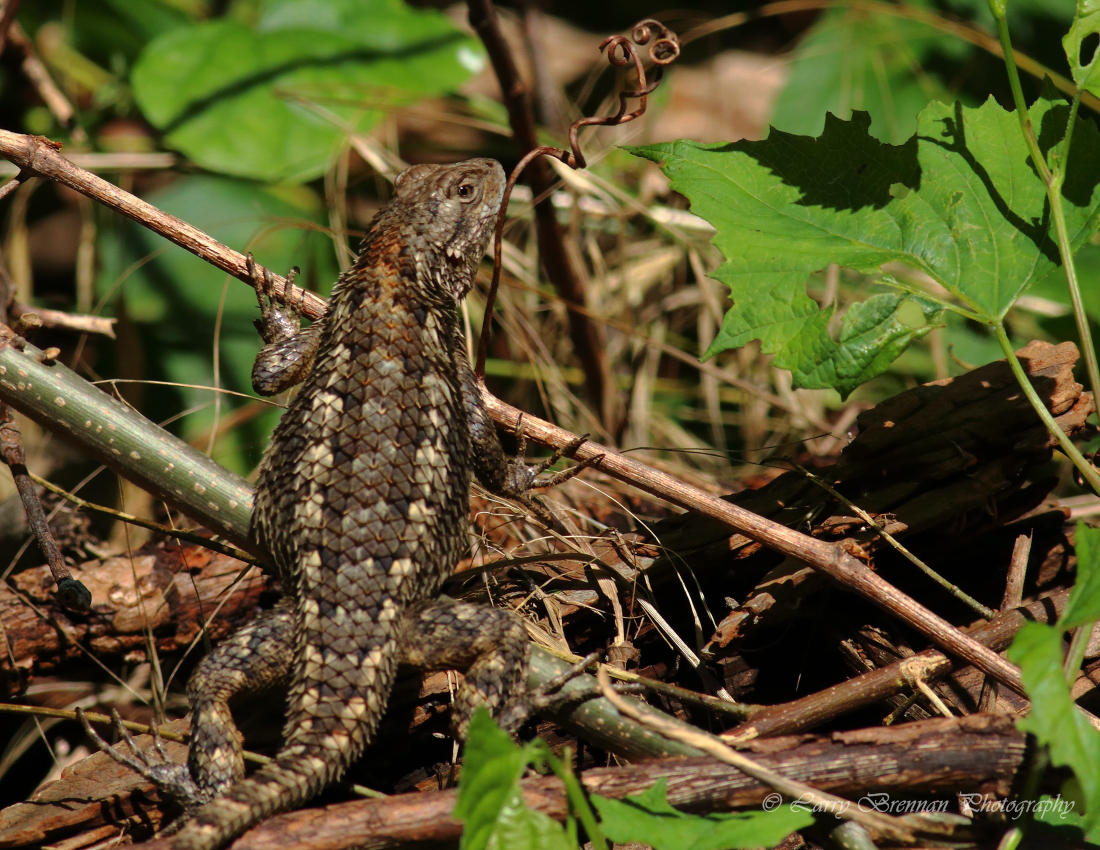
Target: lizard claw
(278, 321)
(552, 696)
(522, 477)
(155, 765)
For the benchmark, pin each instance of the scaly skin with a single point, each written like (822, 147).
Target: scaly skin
(362, 502)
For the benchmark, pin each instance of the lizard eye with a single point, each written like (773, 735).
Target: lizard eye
(466, 191)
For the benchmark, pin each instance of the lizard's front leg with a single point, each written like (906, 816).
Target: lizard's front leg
(289, 352)
(511, 478)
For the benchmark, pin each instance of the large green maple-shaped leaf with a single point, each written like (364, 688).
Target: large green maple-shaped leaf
(274, 101)
(959, 201)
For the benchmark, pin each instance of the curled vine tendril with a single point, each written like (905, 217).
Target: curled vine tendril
(621, 52)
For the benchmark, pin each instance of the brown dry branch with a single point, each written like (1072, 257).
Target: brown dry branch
(39, 156)
(562, 267)
(71, 592)
(833, 559)
(923, 461)
(67, 321)
(974, 755)
(7, 16)
(36, 399)
(979, 455)
(36, 72)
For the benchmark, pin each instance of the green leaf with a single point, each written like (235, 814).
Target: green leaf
(862, 59)
(959, 202)
(1054, 719)
(520, 828)
(1058, 822)
(490, 802)
(647, 818)
(1083, 605)
(275, 102)
(1085, 23)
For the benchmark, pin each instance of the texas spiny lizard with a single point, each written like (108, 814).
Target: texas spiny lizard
(362, 504)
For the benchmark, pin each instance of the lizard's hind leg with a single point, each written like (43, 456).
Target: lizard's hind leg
(488, 644)
(255, 658)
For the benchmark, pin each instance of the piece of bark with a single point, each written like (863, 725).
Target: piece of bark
(945, 455)
(173, 589)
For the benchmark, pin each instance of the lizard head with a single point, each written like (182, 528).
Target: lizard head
(448, 213)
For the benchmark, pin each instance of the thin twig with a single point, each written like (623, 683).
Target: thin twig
(72, 593)
(66, 321)
(168, 531)
(791, 787)
(953, 589)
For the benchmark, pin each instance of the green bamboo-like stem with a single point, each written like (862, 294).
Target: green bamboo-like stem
(1086, 469)
(124, 440)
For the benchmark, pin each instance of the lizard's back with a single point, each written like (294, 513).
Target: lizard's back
(362, 496)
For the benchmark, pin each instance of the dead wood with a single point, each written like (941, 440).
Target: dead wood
(174, 590)
(981, 453)
(897, 677)
(952, 456)
(978, 754)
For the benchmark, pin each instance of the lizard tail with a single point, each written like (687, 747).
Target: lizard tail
(339, 699)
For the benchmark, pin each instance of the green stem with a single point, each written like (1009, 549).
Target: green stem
(1076, 654)
(998, 10)
(1084, 332)
(1088, 472)
(1065, 251)
(574, 792)
(1052, 180)
(1075, 104)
